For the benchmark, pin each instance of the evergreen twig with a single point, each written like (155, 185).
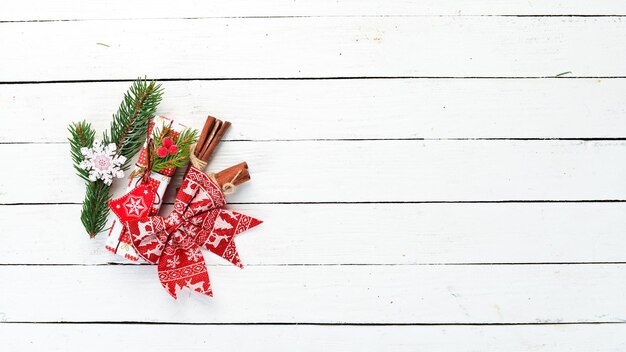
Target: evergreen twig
(95, 209)
(184, 142)
(130, 124)
(128, 132)
(82, 135)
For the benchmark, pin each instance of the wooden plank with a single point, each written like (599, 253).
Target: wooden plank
(118, 9)
(72, 337)
(368, 171)
(314, 47)
(322, 294)
(304, 109)
(359, 234)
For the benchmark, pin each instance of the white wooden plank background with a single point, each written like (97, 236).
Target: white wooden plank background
(374, 171)
(29, 10)
(352, 47)
(453, 233)
(370, 109)
(425, 180)
(336, 294)
(559, 338)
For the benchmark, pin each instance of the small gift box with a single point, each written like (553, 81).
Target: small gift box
(118, 240)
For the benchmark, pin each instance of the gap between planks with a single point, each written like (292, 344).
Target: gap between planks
(334, 264)
(329, 78)
(304, 16)
(530, 139)
(507, 201)
(71, 10)
(131, 322)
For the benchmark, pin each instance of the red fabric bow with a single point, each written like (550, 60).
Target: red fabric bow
(198, 220)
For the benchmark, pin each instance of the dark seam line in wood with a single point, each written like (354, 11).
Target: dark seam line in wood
(375, 202)
(584, 139)
(306, 79)
(311, 323)
(560, 15)
(322, 265)
(304, 16)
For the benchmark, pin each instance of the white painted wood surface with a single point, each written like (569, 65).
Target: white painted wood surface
(334, 294)
(559, 338)
(371, 109)
(373, 171)
(29, 10)
(426, 183)
(452, 233)
(319, 47)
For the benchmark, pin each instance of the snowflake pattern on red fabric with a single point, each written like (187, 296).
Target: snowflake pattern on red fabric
(198, 220)
(135, 204)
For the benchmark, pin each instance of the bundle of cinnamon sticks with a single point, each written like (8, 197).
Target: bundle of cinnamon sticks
(211, 134)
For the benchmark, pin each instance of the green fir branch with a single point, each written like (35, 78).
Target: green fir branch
(82, 136)
(130, 124)
(95, 207)
(128, 131)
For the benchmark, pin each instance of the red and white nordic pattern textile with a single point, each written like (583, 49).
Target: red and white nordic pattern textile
(174, 242)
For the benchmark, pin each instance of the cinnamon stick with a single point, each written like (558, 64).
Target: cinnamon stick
(212, 132)
(203, 138)
(236, 174)
(221, 130)
(202, 155)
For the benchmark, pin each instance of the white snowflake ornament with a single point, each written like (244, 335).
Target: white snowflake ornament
(102, 163)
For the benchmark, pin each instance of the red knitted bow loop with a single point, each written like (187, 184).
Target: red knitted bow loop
(198, 220)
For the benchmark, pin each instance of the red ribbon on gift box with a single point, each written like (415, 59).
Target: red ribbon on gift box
(173, 242)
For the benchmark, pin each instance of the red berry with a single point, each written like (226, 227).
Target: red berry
(167, 142)
(162, 152)
(173, 149)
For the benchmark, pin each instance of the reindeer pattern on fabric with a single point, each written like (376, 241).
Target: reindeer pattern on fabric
(198, 220)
